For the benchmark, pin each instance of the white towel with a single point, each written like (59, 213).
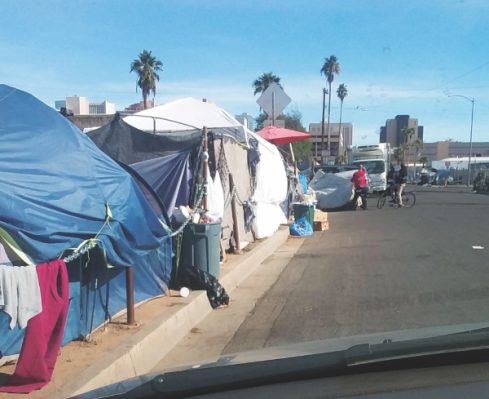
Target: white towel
(20, 295)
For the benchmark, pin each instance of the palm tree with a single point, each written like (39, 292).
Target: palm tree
(262, 83)
(399, 154)
(330, 68)
(407, 135)
(423, 160)
(342, 92)
(146, 67)
(418, 144)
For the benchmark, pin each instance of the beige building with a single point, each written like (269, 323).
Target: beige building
(77, 105)
(453, 149)
(103, 108)
(339, 142)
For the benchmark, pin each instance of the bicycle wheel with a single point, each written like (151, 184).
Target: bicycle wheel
(408, 199)
(381, 201)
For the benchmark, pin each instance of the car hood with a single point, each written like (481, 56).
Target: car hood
(292, 352)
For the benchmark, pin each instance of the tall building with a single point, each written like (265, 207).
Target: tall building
(392, 132)
(339, 142)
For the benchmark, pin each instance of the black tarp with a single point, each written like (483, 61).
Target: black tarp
(129, 145)
(166, 161)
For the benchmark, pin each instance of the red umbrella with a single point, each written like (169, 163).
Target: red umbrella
(280, 135)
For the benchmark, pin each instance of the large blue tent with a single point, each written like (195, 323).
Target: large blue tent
(58, 189)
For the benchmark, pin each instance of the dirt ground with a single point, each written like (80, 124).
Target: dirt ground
(79, 355)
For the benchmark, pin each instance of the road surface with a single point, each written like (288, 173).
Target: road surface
(373, 271)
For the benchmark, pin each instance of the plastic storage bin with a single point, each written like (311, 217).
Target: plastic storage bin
(201, 247)
(304, 210)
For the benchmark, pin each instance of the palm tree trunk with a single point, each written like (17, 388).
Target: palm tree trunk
(329, 114)
(340, 133)
(322, 129)
(415, 156)
(145, 100)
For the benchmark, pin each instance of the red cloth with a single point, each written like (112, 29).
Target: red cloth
(360, 179)
(44, 331)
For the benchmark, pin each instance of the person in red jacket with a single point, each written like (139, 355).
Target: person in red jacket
(359, 180)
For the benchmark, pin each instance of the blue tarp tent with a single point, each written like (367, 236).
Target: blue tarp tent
(56, 188)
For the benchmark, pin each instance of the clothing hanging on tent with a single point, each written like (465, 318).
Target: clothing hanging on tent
(20, 296)
(44, 332)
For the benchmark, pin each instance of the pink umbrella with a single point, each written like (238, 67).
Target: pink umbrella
(280, 135)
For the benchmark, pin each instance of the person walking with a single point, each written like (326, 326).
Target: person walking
(359, 180)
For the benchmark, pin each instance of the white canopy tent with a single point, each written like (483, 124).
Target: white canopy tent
(271, 179)
(185, 114)
(270, 190)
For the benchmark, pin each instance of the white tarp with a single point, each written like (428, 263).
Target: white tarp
(270, 191)
(186, 114)
(215, 196)
(333, 190)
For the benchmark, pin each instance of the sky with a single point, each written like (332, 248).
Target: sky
(413, 57)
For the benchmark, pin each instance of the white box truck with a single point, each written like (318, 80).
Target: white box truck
(376, 159)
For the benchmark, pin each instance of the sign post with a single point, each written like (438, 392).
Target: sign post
(273, 101)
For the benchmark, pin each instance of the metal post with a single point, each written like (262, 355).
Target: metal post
(322, 126)
(130, 295)
(273, 108)
(205, 168)
(470, 145)
(472, 100)
(237, 247)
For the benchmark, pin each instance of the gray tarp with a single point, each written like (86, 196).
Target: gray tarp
(333, 190)
(236, 159)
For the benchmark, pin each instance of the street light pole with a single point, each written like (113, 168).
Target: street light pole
(472, 100)
(325, 91)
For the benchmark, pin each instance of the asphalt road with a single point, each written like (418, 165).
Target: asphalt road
(380, 270)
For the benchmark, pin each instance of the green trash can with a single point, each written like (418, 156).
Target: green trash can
(201, 247)
(304, 210)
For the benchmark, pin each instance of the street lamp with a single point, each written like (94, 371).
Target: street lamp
(472, 100)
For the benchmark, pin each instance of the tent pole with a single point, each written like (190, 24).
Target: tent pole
(293, 158)
(206, 168)
(130, 295)
(237, 247)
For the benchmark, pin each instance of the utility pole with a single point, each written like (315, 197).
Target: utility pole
(472, 100)
(325, 91)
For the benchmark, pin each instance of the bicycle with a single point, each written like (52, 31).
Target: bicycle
(408, 198)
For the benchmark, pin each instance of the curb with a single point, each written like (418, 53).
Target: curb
(138, 356)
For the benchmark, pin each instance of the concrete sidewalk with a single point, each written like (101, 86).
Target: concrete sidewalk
(117, 351)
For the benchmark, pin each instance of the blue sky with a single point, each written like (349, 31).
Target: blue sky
(396, 57)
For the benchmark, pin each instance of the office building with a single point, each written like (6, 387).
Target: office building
(392, 132)
(338, 142)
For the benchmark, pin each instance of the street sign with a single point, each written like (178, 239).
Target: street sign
(273, 100)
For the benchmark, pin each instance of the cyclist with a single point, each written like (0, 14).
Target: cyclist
(401, 182)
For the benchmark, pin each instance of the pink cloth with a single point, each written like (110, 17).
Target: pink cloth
(44, 332)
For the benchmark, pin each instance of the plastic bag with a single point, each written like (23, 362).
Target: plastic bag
(196, 279)
(301, 227)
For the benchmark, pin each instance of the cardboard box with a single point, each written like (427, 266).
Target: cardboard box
(321, 226)
(320, 216)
